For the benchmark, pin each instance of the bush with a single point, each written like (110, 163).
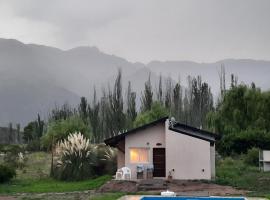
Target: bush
(14, 156)
(76, 158)
(252, 157)
(10, 159)
(228, 161)
(229, 170)
(6, 173)
(12, 148)
(61, 129)
(33, 145)
(15, 160)
(242, 141)
(105, 160)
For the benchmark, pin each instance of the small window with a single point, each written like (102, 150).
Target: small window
(139, 155)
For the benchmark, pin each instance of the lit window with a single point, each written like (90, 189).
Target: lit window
(139, 155)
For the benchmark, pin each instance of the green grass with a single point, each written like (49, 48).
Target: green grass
(37, 166)
(108, 196)
(51, 185)
(236, 173)
(34, 178)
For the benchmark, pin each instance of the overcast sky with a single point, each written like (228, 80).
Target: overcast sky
(144, 30)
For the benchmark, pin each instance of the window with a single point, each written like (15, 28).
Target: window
(139, 155)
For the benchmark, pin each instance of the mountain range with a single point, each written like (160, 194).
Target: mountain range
(35, 78)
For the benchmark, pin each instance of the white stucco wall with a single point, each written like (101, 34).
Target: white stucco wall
(152, 136)
(120, 159)
(213, 161)
(266, 155)
(266, 167)
(188, 156)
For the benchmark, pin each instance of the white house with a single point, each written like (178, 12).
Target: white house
(264, 160)
(171, 148)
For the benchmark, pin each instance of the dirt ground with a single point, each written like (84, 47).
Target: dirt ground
(183, 188)
(7, 198)
(194, 188)
(83, 195)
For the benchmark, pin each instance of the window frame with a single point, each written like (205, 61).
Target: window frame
(139, 148)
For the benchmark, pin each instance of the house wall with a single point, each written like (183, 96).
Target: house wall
(147, 138)
(266, 167)
(266, 155)
(213, 161)
(120, 159)
(188, 156)
(121, 155)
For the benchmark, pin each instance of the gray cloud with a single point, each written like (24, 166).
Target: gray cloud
(145, 30)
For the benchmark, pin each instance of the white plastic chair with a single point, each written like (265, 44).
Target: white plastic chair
(123, 173)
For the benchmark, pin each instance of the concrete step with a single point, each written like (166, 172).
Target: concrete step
(152, 184)
(151, 187)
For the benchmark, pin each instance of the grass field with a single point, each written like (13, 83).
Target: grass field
(50, 185)
(34, 178)
(236, 173)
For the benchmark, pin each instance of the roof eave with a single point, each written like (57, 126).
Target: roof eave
(115, 139)
(198, 136)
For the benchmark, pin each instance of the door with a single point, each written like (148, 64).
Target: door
(159, 162)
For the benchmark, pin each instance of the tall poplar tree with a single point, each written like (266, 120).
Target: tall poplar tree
(116, 104)
(147, 96)
(131, 106)
(93, 112)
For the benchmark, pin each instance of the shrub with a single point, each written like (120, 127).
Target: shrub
(34, 145)
(76, 158)
(10, 159)
(14, 160)
(105, 160)
(21, 160)
(60, 130)
(227, 161)
(252, 157)
(6, 173)
(12, 148)
(14, 156)
(111, 160)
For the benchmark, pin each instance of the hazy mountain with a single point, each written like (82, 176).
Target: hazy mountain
(33, 78)
(246, 70)
(21, 98)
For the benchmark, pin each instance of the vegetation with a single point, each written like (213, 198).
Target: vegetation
(157, 111)
(76, 158)
(32, 133)
(114, 112)
(51, 185)
(34, 178)
(6, 173)
(252, 157)
(13, 148)
(14, 156)
(106, 160)
(60, 129)
(242, 119)
(235, 172)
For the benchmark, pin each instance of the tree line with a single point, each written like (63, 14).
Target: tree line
(240, 114)
(118, 109)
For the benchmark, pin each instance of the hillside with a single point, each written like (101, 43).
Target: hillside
(33, 78)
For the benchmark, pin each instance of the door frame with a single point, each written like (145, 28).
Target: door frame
(164, 161)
